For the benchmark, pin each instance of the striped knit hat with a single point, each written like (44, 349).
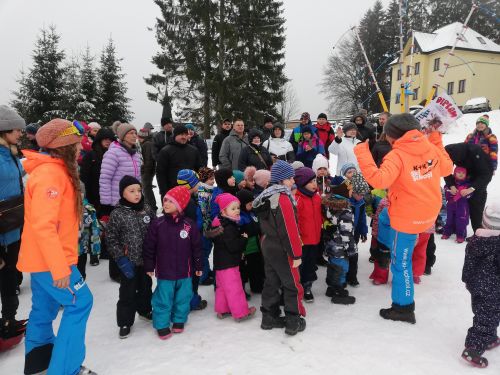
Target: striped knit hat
(346, 168)
(484, 120)
(179, 196)
(280, 171)
(187, 178)
(491, 216)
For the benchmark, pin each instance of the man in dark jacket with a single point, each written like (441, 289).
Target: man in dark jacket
(267, 129)
(224, 131)
(148, 167)
(162, 138)
(365, 129)
(177, 155)
(198, 142)
(479, 171)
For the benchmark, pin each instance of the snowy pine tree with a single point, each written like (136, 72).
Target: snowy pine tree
(88, 87)
(112, 102)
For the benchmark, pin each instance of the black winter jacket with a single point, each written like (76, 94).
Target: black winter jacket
(365, 130)
(249, 156)
(475, 160)
(216, 145)
(379, 150)
(148, 167)
(202, 148)
(160, 140)
(171, 160)
(229, 246)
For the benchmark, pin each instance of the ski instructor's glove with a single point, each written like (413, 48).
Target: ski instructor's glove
(126, 266)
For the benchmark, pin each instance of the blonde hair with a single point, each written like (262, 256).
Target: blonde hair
(68, 155)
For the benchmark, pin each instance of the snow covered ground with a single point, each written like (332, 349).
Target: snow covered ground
(338, 339)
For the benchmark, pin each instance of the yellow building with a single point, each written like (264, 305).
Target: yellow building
(473, 71)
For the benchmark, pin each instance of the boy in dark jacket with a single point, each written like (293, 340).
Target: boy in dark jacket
(230, 297)
(481, 275)
(172, 249)
(359, 189)
(125, 233)
(282, 251)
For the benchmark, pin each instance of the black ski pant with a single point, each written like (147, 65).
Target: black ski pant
(252, 271)
(135, 296)
(9, 280)
(308, 267)
(486, 309)
(430, 252)
(476, 207)
(147, 188)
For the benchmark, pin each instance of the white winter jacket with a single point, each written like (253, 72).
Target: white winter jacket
(344, 151)
(278, 146)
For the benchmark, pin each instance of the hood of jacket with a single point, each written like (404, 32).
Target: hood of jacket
(353, 118)
(413, 142)
(35, 159)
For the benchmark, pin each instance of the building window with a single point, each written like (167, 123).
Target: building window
(417, 68)
(436, 64)
(461, 86)
(415, 94)
(398, 97)
(399, 74)
(408, 67)
(481, 40)
(450, 88)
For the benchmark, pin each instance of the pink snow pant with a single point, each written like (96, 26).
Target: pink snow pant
(229, 294)
(419, 254)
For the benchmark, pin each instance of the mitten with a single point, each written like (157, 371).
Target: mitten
(126, 266)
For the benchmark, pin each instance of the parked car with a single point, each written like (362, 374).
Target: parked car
(474, 105)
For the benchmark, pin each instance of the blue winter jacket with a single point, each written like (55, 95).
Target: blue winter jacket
(358, 208)
(384, 228)
(9, 187)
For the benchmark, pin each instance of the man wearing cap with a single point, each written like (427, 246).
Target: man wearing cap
(232, 145)
(224, 131)
(198, 142)
(163, 137)
(296, 136)
(177, 155)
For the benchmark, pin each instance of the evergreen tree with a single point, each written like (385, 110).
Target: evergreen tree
(21, 101)
(40, 92)
(112, 102)
(71, 94)
(88, 87)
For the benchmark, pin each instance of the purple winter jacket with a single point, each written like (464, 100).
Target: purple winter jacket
(117, 162)
(172, 248)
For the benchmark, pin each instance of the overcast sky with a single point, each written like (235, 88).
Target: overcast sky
(312, 28)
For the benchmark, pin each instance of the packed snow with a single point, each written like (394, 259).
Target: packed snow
(338, 339)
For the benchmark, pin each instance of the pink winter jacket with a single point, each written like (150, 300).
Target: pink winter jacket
(117, 162)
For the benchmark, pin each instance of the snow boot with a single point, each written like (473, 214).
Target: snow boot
(417, 280)
(474, 358)
(164, 333)
(223, 315)
(251, 313)
(428, 270)
(178, 327)
(400, 313)
(94, 260)
(124, 332)
(294, 324)
(308, 296)
(460, 240)
(494, 344)
(341, 296)
(445, 237)
(9, 343)
(86, 371)
(379, 275)
(270, 320)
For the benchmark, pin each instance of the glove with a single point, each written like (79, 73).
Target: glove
(363, 237)
(126, 266)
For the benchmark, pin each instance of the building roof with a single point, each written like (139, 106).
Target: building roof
(445, 37)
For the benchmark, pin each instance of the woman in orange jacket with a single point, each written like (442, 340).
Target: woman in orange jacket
(49, 251)
(411, 171)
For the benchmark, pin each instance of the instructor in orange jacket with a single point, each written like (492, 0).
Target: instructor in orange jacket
(49, 251)
(411, 171)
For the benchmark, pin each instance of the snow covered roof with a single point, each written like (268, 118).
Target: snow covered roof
(445, 37)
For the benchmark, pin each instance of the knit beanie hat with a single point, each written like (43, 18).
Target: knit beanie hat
(123, 129)
(187, 178)
(322, 115)
(491, 216)
(143, 133)
(94, 125)
(179, 196)
(221, 177)
(458, 170)
(148, 126)
(305, 115)
(249, 172)
(319, 162)
(346, 168)
(280, 171)
(307, 129)
(359, 184)
(10, 120)
(397, 125)
(238, 176)
(303, 176)
(32, 128)
(59, 133)
(484, 120)
(244, 196)
(104, 133)
(190, 127)
(180, 129)
(127, 181)
(225, 199)
(349, 126)
(262, 177)
(205, 174)
(297, 164)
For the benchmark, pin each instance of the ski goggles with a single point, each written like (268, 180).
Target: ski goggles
(75, 128)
